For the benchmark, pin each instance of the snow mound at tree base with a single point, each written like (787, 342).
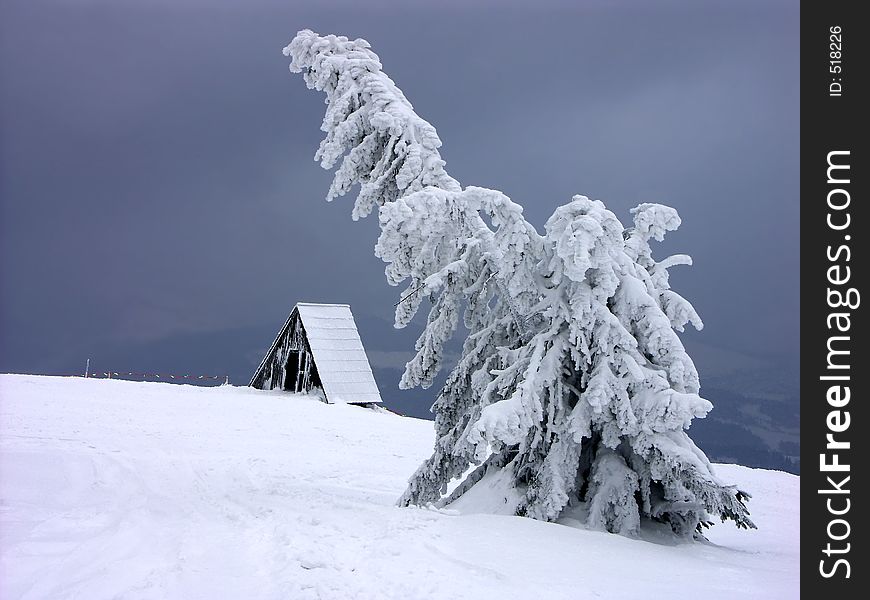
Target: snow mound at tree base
(495, 494)
(114, 489)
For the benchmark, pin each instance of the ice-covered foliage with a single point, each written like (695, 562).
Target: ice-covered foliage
(572, 377)
(386, 147)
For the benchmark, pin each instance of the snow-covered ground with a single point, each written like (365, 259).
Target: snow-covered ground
(114, 489)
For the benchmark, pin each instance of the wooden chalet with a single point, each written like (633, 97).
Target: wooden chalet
(319, 348)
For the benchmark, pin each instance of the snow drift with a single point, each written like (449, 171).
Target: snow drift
(114, 489)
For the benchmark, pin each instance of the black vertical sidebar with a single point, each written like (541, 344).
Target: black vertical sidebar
(835, 437)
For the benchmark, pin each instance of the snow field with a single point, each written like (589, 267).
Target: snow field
(114, 489)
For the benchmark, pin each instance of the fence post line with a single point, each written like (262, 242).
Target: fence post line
(179, 377)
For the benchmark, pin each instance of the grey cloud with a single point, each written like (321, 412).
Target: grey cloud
(158, 193)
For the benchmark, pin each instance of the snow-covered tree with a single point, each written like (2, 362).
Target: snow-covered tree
(572, 379)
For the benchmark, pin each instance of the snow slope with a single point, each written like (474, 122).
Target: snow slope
(114, 489)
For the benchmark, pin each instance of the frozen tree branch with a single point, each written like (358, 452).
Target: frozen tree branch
(572, 378)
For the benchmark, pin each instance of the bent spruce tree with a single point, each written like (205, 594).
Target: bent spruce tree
(572, 381)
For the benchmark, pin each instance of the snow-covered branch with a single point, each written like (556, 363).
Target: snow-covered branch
(572, 378)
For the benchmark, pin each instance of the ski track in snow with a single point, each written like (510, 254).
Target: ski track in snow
(115, 489)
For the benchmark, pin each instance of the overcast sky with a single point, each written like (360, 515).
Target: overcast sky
(161, 208)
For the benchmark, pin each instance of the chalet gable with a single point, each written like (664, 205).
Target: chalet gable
(319, 348)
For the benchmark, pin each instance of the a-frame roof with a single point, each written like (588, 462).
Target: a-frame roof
(338, 352)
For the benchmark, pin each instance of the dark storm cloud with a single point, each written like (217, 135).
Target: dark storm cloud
(160, 205)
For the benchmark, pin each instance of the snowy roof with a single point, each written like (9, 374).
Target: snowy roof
(338, 353)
